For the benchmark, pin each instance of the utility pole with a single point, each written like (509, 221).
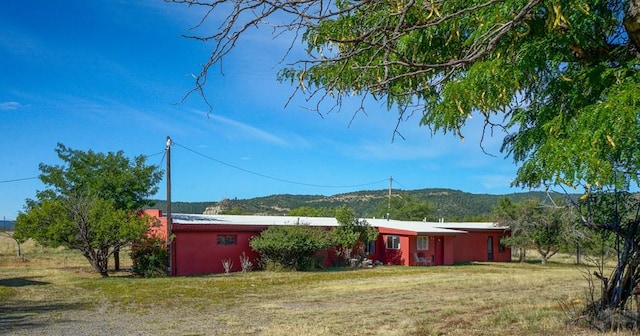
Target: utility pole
(169, 220)
(389, 199)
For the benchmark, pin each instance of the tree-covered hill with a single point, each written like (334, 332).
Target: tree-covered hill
(451, 205)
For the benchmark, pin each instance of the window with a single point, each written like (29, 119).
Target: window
(393, 242)
(423, 242)
(370, 247)
(226, 239)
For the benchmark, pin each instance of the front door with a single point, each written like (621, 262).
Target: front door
(490, 248)
(439, 251)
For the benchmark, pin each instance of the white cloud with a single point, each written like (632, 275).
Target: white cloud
(246, 131)
(394, 151)
(495, 181)
(10, 105)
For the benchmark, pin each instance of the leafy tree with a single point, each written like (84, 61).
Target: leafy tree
(307, 211)
(352, 233)
(235, 210)
(405, 206)
(551, 230)
(536, 225)
(506, 214)
(90, 204)
(293, 247)
(16, 238)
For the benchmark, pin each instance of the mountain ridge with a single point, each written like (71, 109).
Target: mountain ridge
(448, 204)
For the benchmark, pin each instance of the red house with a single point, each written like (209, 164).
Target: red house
(202, 242)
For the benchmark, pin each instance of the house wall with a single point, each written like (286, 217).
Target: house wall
(428, 253)
(195, 249)
(443, 250)
(197, 252)
(378, 253)
(473, 246)
(158, 225)
(401, 256)
(440, 252)
(450, 247)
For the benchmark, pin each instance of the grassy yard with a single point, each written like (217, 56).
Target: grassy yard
(56, 289)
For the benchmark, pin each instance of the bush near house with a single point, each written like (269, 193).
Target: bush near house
(149, 257)
(292, 247)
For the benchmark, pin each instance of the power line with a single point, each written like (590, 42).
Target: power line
(37, 177)
(164, 154)
(273, 177)
(398, 183)
(20, 179)
(156, 154)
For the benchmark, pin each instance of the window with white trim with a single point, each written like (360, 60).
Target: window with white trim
(393, 242)
(423, 242)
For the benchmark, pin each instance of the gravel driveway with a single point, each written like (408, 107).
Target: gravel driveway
(26, 318)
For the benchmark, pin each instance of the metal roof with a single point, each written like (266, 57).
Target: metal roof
(252, 220)
(473, 225)
(419, 227)
(415, 226)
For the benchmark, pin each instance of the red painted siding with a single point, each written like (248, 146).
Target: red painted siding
(198, 252)
(428, 253)
(159, 223)
(473, 246)
(449, 250)
(195, 248)
(400, 256)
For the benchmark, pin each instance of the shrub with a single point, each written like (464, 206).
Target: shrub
(149, 257)
(293, 247)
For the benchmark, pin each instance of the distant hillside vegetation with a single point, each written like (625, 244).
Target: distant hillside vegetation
(452, 205)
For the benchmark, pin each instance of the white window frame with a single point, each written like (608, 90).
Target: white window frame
(395, 242)
(422, 243)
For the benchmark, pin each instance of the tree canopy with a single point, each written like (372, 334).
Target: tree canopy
(352, 233)
(549, 73)
(90, 203)
(533, 224)
(405, 206)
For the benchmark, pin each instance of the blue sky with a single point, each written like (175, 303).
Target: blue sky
(110, 75)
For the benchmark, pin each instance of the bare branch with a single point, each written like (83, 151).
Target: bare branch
(302, 15)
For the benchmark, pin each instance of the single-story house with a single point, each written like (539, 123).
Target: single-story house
(202, 242)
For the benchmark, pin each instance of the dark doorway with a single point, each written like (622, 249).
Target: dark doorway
(439, 250)
(490, 248)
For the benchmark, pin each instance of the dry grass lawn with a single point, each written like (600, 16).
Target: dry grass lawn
(55, 292)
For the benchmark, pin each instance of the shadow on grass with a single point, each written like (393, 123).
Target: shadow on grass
(21, 282)
(28, 315)
(549, 263)
(337, 269)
